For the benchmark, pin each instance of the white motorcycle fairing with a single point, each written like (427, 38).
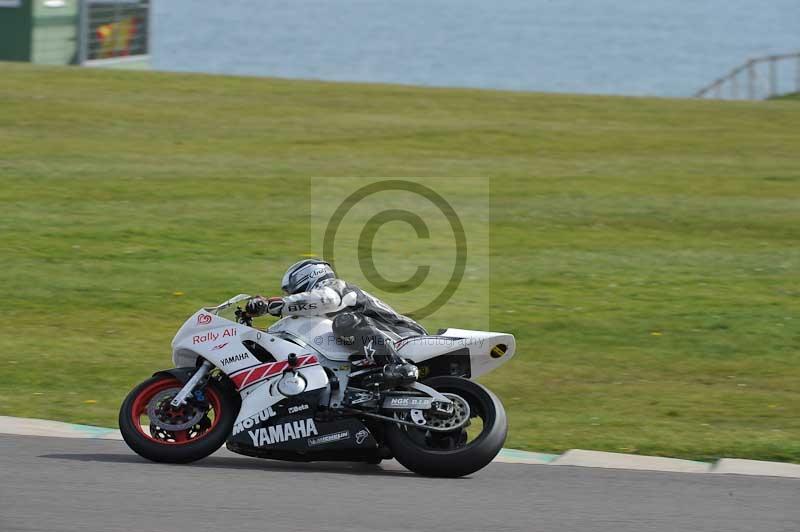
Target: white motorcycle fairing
(471, 353)
(279, 401)
(268, 418)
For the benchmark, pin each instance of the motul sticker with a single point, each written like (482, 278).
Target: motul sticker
(329, 438)
(250, 422)
(283, 432)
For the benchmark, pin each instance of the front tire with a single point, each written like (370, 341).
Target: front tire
(451, 455)
(208, 423)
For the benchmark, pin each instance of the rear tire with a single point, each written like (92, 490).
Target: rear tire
(182, 446)
(462, 461)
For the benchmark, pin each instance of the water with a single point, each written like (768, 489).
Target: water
(635, 47)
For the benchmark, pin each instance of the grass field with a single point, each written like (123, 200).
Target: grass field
(644, 252)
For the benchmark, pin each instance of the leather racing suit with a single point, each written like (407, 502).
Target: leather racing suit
(359, 319)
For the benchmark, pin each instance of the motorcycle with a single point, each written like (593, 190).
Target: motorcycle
(295, 392)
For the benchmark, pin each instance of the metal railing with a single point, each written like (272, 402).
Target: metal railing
(756, 79)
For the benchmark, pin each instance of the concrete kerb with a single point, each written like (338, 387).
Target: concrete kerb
(573, 457)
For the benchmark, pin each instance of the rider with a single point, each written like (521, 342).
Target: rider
(360, 319)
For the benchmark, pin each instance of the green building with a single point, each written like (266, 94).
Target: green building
(63, 32)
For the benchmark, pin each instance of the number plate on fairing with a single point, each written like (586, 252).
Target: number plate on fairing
(407, 402)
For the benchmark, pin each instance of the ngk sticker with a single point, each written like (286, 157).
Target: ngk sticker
(409, 402)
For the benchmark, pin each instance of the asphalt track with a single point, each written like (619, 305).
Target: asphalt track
(55, 484)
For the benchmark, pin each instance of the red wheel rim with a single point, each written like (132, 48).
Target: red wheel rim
(182, 437)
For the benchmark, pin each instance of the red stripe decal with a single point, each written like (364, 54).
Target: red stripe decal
(264, 371)
(239, 379)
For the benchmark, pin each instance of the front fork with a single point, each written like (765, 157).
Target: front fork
(188, 388)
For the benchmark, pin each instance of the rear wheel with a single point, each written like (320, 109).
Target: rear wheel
(461, 451)
(156, 430)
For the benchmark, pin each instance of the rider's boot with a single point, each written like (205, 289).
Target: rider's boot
(379, 353)
(400, 373)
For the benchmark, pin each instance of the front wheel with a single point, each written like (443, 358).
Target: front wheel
(159, 432)
(462, 451)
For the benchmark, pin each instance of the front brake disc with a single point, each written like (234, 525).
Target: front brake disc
(165, 416)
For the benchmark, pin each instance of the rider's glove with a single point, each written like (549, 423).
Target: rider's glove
(275, 306)
(256, 306)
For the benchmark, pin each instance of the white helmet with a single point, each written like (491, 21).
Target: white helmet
(304, 275)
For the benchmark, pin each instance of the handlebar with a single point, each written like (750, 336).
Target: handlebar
(243, 317)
